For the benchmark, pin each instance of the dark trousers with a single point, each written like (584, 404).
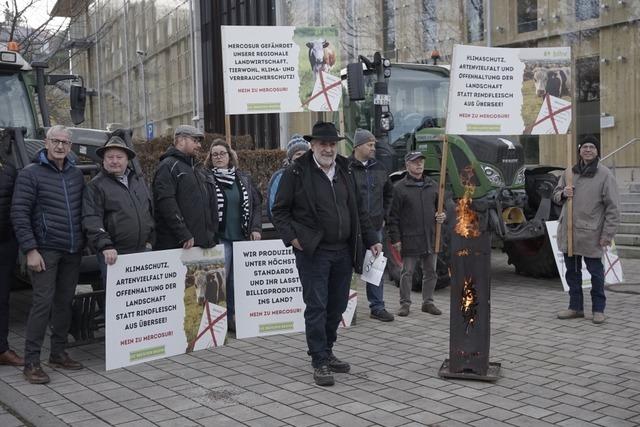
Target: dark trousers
(8, 254)
(574, 281)
(53, 291)
(228, 273)
(325, 278)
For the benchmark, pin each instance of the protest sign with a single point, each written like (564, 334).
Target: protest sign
(347, 316)
(506, 91)
(274, 69)
(610, 260)
(268, 292)
(164, 303)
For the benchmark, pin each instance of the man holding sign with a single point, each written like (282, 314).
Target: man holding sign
(319, 212)
(595, 219)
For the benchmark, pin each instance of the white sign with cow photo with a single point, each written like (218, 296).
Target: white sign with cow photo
(508, 91)
(280, 69)
(164, 303)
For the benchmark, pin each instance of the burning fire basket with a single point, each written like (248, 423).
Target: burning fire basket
(470, 296)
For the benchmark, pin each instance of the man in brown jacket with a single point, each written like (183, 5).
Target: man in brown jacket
(595, 219)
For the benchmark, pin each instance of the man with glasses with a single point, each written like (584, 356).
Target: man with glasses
(595, 220)
(184, 200)
(46, 214)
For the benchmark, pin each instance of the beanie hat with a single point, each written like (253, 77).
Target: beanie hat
(362, 136)
(297, 143)
(590, 139)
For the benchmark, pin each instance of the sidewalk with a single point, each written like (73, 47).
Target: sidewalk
(567, 373)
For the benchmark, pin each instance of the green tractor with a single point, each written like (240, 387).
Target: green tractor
(404, 105)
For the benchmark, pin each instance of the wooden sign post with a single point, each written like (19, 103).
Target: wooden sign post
(441, 189)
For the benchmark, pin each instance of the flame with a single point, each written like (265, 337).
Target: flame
(463, 252)
(467, 219)
(468, 303)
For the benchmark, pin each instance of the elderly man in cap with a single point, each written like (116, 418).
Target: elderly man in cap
(319, 212)
(596, 216)
(184, 198)
(376, 191)
(116, 207)
(46, 213)
(411, 229)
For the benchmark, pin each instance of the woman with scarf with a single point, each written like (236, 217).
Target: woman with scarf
(239, 210)
(595, 220)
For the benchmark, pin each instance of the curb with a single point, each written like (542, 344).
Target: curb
(27, 411)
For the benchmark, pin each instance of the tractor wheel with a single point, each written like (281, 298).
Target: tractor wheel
(532, 257)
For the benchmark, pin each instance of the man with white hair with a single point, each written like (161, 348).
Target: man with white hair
(46, 214)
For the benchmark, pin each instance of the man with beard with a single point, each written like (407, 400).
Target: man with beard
(318, 211)
(595, 220)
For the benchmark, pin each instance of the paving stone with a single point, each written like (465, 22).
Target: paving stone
(8, 420)
(117, 415)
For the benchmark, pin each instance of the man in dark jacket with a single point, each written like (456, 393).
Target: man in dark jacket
(411, 230)
(46, 214)
(116, 207)
(185, 204)
(8, 254)
(376, 190)
(318, 211)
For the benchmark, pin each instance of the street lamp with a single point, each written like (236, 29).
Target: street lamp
(141, 55)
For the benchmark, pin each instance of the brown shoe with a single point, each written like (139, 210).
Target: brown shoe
(10, 358)
(570, 314)
(34, 374)
(63, 361)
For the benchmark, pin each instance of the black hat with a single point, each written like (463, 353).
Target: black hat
(590, 139)
(324, 131)
(413, 155)
(116, 142)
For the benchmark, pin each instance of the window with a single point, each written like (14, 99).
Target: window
(587, 9)
(527, 15)
(475, 20)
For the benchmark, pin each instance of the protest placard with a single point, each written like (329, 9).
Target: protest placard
(610, 260)
(274, 69)
(508, 91)
(164, 303)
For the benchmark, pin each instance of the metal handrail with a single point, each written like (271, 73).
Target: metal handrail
(631, 141)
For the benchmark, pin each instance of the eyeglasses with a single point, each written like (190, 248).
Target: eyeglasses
(219, 154)
(56, 142)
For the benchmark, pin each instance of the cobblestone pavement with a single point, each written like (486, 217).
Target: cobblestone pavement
(567, 373)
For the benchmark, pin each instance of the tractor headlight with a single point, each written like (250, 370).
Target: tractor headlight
(519, 179)
(493, 175)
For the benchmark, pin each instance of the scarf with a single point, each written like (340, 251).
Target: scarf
(587, 170)
(226, 178)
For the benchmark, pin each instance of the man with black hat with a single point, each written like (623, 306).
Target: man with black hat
(372, 180)
(318, 211)
(116, 207)
(595, 220)
(184, 195)
(411, 230)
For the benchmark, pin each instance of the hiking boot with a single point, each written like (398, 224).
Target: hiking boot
(337, 365)
(10, 358)
(429, 307)
(404, 311)
(382, 315)
(34, 374)
(570, 314)
(63, 361)
(322, 376)
(598, 317)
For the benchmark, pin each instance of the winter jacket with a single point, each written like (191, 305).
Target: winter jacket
(184, 202)
(412, 216)
(115, 216)
(375, 187)
(595, 212)
(295, 215)
(272, 190)
(7, 181)
(46, 210)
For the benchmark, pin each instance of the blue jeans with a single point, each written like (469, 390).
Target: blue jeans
(574, 280)
(325, 278)
(374, 293)
(228, 274)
